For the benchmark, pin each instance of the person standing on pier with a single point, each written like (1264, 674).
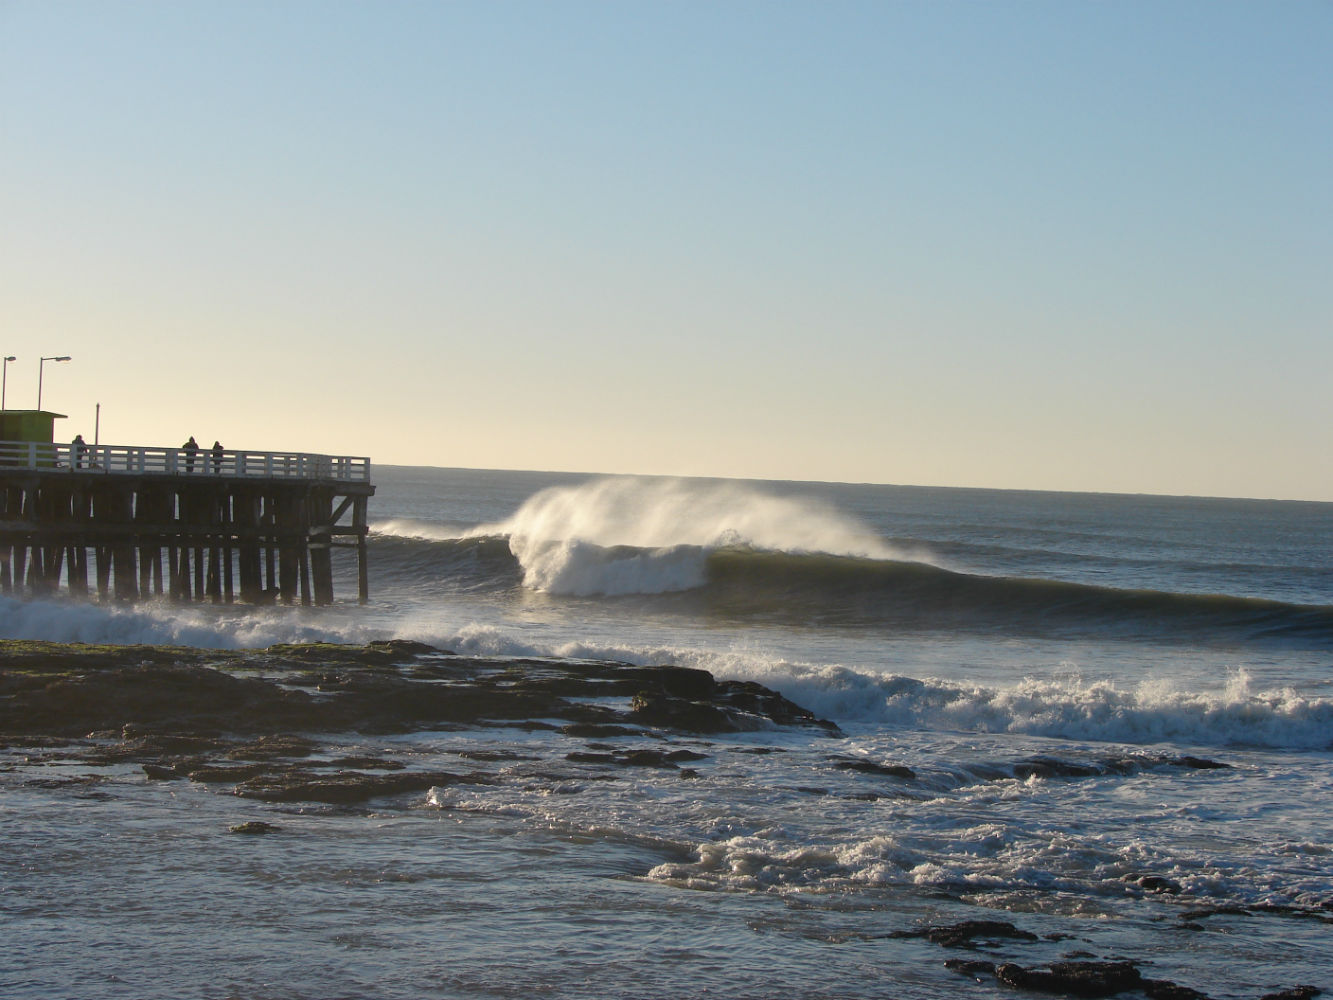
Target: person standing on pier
(217, 457)
(190, 446)
(78, 450)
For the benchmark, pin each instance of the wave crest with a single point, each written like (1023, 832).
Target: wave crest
(623, 535)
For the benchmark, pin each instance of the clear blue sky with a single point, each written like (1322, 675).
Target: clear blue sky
(1053, 245)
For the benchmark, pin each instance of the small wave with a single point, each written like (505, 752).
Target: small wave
(1151, 712)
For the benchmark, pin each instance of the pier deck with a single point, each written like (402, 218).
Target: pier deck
(205, 525)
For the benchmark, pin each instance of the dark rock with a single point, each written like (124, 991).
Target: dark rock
(274, 746)
(687, 682)
(156, 695)
(677, 756)
(351, 787)
(366, 764)
(586, 757)
(1053, 767)
(404, 647)
(1199, 763)
(1318, 913)
(1162, 989)
(1080, 979)
(222, 774)
(81, 781)
(1295, 993)
(1156, 883)
(630, 758)
(1214, 911)
(162, 772)
(597, 730)
(980, 971)
(649, 758)
(670, 712)
(873, 767)
(964, 935)
(229, 717)
(173, 744)
(764, 704)
(254, 826)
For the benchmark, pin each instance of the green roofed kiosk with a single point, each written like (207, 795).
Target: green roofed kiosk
(30, 427)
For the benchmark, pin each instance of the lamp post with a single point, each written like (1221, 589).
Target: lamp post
(40, 365)
(4, 379)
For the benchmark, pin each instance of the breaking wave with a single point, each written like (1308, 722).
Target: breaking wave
(639, 536)
(1070, 708)
(1150, 712)
(739, 583)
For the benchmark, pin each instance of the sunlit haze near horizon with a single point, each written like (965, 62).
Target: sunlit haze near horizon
(1040, 245)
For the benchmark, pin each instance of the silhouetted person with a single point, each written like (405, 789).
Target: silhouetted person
(80, 451)
(191, 446)
(217, 456)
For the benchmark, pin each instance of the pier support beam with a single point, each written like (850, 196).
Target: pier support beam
(219, 537)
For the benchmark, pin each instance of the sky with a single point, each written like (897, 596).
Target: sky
(1039, 244)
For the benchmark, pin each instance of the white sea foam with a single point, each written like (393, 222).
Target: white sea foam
(1062, 706)
(161, 623)
(626, 535)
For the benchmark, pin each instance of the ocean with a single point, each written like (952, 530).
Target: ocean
(1103, 721)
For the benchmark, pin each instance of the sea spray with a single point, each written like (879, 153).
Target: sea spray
(626, 535)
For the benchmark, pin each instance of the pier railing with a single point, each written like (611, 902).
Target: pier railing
(120, 460)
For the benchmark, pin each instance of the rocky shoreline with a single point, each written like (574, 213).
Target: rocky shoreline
(252, 719)
(71, 689)
(267, 724)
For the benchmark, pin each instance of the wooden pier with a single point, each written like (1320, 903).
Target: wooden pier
(138, 523)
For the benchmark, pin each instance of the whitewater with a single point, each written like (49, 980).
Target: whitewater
(1108, 719)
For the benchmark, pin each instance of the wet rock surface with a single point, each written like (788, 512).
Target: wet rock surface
(252, 721)
(969, 933)
(274, 726)
(51, 689)
(1079, 979)
(1085, 977)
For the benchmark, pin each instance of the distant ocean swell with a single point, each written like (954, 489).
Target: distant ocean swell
(744, 583)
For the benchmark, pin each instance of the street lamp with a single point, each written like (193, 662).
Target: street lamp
(4, 379)
(40, 365)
